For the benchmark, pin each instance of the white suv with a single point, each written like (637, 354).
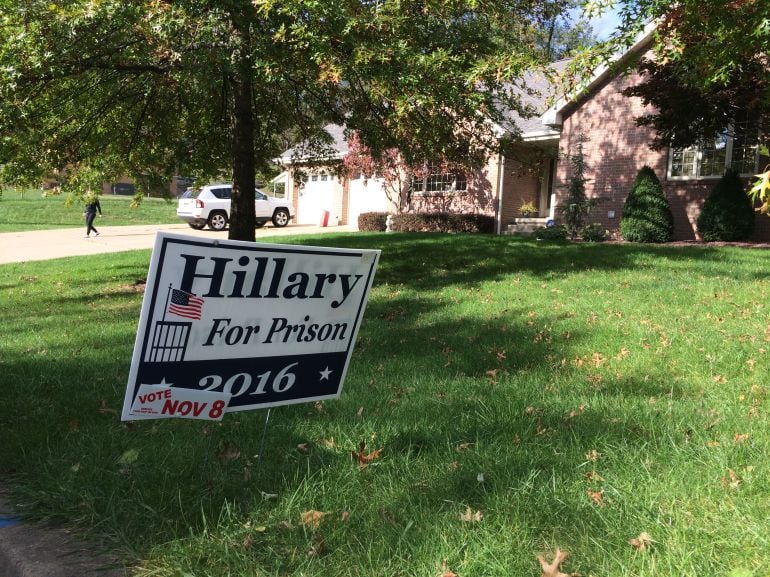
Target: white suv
(211, 206)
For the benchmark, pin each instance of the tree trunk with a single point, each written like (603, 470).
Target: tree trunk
(242, 215)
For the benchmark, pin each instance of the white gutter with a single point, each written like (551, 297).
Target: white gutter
(553, 117)
(536, 136)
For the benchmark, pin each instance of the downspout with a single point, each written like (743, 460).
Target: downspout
(500, 181)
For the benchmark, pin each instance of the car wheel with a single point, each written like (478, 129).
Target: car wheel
(217, 220)
(260, 223)
(196, 226)
(281, 217)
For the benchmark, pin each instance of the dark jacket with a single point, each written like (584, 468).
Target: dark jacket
(92, 207)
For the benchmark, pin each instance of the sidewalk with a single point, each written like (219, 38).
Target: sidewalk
(48, 244)
(42, 550)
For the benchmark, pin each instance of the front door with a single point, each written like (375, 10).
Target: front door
(547, 177)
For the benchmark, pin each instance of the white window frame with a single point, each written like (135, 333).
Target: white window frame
(431, 173)
(699, 150)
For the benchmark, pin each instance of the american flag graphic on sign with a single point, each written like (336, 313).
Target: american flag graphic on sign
(184, 304)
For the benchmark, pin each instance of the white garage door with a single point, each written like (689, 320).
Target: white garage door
(369, 197)
(315, 197)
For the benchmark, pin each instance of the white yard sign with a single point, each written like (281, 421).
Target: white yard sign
(233, 326)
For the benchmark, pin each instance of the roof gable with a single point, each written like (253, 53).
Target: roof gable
(335, 149)
(554, 116)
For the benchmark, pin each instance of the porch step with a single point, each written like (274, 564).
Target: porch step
(524, 225)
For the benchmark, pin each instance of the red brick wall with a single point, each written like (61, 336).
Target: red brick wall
(479, 198)
(614, 152)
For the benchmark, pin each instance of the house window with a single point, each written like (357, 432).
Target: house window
(710, 158)
(435, 179)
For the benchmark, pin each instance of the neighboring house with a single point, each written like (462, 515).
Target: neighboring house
(538, 170)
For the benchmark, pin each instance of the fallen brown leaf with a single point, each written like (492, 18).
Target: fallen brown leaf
(593, 455)
(552, 569)
(104, 409)
(597, 359)
(597, 497)
(363, 459)
(312, 518)
(642, 542)
(329, 443)
(446, 571)
(733, 482)
(470, 517)
(228, 452)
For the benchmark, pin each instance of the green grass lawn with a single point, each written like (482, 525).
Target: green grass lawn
(514, 398)
(29, 210)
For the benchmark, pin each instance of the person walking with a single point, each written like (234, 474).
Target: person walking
(92, 205)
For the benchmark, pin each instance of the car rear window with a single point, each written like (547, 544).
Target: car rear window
(222, 193)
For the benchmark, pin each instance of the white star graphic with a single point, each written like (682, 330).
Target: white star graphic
(162, 383)
(325, 374)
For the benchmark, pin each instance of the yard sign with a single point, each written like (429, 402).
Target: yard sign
(233, 326)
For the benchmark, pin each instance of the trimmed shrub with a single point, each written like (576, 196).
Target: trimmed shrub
(577, 205)
(443, 222)
(727, 214)
(594, 233)
(372, 221)
(557, 233)
(646, 214)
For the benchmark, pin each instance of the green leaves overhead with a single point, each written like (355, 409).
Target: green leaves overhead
(710, 66)
(201, 88)
(150, 82)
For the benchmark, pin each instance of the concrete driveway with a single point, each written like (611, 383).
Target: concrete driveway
(48, 244)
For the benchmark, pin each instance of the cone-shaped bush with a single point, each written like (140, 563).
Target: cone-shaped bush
(646, 214)
(727, 214)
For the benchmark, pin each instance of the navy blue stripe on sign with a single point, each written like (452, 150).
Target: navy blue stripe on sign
(253, 382)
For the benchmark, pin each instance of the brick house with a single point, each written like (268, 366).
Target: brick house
(537, 170)
(615, 149)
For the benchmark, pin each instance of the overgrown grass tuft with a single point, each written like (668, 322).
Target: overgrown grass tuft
(525, 397)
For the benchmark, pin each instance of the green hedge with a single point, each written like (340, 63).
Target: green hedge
(727, 214)
(594, 233)
(443, 222)
(372, 221)
(556, 233)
